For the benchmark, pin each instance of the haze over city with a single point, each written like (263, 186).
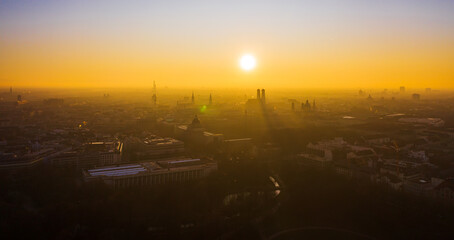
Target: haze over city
(227, 119)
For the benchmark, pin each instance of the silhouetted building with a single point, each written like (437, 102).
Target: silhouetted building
(257, 105)
(263, 98)
(307, 105)
(416, 96)
(402, 89)
(154, 98)
(195, 134)
(92, 154)
(211, 100)
(192, 98)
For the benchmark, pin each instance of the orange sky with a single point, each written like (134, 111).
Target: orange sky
(112, 44)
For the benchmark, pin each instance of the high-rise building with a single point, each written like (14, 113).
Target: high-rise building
(211, 100)
(154, 98)
(416, 96)
(258, 94)
(192, 98)
(19, 98)
(307, 105)
(402, 89)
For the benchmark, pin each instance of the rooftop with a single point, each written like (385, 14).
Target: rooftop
(143, 167)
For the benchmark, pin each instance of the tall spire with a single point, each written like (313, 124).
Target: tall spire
(211, 100)
(192, 98)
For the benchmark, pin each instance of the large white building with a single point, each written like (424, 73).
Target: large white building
(152, 173)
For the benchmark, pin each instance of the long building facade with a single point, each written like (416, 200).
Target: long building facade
(151, 173)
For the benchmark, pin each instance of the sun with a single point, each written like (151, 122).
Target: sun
(247, 62)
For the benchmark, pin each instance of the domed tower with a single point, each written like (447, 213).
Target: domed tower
(195, 123)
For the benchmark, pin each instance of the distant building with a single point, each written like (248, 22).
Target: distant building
(416, 96)
(210, 102)
(152, 173)
(263, 98)
(259, 104)
(92, 154)
(428, 90)
(154, 147)
(418, 185)
(402, 89)
(9, 161)
(195, 134)
(154, 99)
(19, 98)
(154, 96)
(322, 153)
(307, 106)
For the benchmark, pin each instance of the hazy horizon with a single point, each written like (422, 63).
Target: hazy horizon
(297, 44)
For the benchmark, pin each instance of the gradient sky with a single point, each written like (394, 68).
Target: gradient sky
(299, 44)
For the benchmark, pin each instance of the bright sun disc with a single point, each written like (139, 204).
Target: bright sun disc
(247, 62)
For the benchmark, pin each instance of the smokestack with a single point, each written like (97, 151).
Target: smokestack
(263, 95)
(258, 94)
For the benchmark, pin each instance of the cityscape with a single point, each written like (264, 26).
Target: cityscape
(189, 150)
